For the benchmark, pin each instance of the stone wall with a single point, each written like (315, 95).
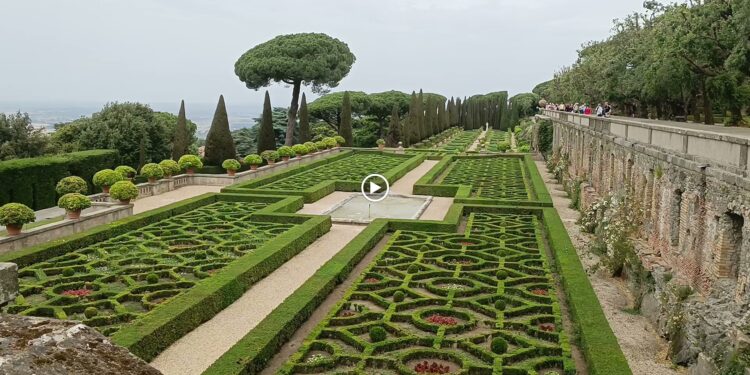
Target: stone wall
(694, 231)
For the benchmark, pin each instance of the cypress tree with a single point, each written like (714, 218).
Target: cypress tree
(304, 121)
(219, 142)
(428, 118)
(442, 117)
(394, 129)
(345, 127)
(180, 140)
(410, 127)
(468, 122)
(266, 135)
(420, 117)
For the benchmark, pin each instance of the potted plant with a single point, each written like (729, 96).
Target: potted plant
(286, 152)
(300, 150)
(123, 191)
(321, 145)
(106, 178)
(381, 143)
(311, 148)
(254, 160)
(340, 141)
(126, 172)
(231, 165)
(270, 156)
(190, 163)
(170, 167)
(14, 216)
(71, 184)
(152, 171)
(73, 203)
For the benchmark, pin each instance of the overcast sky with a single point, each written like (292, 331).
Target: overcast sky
(164, 51)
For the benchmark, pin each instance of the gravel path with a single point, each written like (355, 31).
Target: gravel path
(642, 346)
(196, 351)
(475, 145)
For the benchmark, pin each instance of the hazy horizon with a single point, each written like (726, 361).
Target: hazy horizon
(62, 54)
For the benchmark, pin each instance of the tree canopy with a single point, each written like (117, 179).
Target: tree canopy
(313, 59)
(327, 108)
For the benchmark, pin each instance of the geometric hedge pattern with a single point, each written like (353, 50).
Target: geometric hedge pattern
(498, 178)
(461, 141)
(352, 168)
(440, 300)
(128, 275)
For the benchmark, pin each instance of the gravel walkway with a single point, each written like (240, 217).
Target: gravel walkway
(642, 346)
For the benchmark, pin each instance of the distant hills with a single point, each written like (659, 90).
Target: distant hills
(47, 114)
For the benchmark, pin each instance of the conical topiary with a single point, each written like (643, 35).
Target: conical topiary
(304, 121)
(180, 139)
(219, 142)
(345, 127)
(266, 136)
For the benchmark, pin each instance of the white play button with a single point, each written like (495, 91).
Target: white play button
(372, 188)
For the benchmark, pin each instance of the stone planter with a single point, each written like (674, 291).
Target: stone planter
(231, 173)
(254, 167)
(13, 229)
(381, 147)
(124, 201)
(190, 171)
(271, 162)
(152, 180)
(73, 215)
(105, 189)
(285, 158)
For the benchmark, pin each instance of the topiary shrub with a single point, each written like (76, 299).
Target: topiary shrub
(524, 148)
(381, 143)
(231, 165)
(123, 191)
(152, 171)
(311, 147)
(190, 163)
(330, 142)
(73, 203)
(270, 156)
(90, 312)
(286, 152)
(500, 304)
(398, 296)
(377, 334)
(14, 216)
(68, 272)
(71, 184)
(126, 171)
(503, 146)
(170, 167)
(499, 345)
(501, 275)
(152, 278)
(340, 141)
(413, 268)
(321, 145)
(254, 160)
(300, 150)
(106, 178)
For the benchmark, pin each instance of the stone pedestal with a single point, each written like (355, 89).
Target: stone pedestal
(8, 282)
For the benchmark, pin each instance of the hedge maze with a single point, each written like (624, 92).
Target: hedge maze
(353, 169)
(126, 276)
(498, 178)
(479, 302)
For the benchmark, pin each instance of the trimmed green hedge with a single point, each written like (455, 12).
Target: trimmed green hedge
(32, 181)
(599, 344)
(251, 354)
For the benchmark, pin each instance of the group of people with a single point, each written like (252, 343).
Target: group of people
(583, 109)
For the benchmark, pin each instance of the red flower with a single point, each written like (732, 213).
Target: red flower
(372, 280)
(539, 292)
(547, 327)
(77, 292)
(442, 320)
(425, 367)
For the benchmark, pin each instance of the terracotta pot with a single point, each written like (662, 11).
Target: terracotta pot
(231, 172)
(105, 189)
(167, 176)
(74, 215)
(13, 229)
(381, 147)
(285, 158)
(253, 167)
(124, 201)
(271, 162)
(152, 180)
(190, 171)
